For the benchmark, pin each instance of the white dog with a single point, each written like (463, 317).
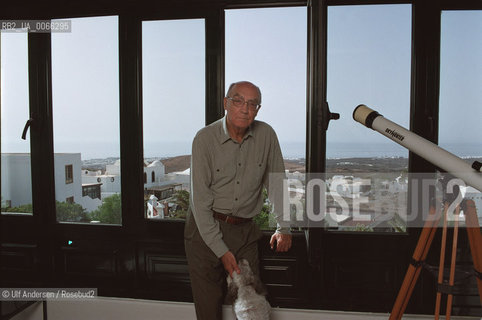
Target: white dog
(248, 304)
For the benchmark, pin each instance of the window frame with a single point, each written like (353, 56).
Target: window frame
(423, 113)
(69, 174)
(214, 81)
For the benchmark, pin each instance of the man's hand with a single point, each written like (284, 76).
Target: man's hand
(230, 264)
(283, 241)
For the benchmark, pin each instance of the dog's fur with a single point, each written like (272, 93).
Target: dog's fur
(248, 303)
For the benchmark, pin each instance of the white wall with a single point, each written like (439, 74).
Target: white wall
(16, 178)
(148, 171)
(158, 168)
(176, 177)
(476, 196)
(113, 169)
(111, 184)
(128, 309)
(91, 173)
(90, 204)
(63, 190)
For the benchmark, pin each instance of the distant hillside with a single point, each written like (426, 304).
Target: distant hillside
(179, 163)
(347, 166)
(295, 165)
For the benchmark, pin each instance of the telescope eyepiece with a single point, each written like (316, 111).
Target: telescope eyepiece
(477, 165)
(365, 115)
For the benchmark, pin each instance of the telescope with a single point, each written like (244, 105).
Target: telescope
(431, 152)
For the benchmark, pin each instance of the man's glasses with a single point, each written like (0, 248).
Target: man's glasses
(239, 102)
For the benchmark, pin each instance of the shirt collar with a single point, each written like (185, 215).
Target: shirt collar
(224, 134)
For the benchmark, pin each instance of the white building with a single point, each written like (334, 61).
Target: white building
(154, 174)
(17, 180)
(74, 185)
(476, 196)
(110, 183)
(180, 177)
(155, 209)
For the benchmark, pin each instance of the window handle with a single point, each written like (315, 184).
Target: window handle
(327, 116)
(25, 129)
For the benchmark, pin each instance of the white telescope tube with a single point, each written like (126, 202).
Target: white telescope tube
(424, 148)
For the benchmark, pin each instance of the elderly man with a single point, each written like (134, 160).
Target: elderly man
(231, 162)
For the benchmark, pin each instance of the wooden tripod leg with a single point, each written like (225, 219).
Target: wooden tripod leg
(475, 240)
(418, 269)
(448, 312)
(413, 272)
(441, 264)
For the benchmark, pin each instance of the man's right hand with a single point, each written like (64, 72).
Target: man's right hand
(230, 264)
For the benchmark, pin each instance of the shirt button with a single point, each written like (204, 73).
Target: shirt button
(239, 164)
(237, 182)
(235, 199)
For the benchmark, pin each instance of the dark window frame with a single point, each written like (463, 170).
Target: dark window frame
(423, 108)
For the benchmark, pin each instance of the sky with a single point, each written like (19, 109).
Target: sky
(368, 62)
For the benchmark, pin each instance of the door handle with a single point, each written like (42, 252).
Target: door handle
(25, 129)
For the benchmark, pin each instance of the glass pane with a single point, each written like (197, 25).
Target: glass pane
(16, 165)
(173, 84)
(268, 47)
(85, 85)
(368, 63)
(460, 93)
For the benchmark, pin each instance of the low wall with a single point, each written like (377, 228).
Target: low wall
(128, 309)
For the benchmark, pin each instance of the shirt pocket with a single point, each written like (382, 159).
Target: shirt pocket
(255, 174)
(224, 171)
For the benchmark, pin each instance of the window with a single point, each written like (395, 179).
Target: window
(273, 56)
(173, 84)
(460, 94)
(93, 191)
(153, 175)
(69, 175)
(70, 200)
(369, 64)
(460, 78)
(16, 187)
(85, 98)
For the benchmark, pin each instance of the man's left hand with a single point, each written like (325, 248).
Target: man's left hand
(283, 241)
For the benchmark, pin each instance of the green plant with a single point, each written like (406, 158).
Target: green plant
(265, 219)
(26, 208)
(110, 211)
(70, 212)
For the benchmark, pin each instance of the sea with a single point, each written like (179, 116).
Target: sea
(345, 150)
(290, 150)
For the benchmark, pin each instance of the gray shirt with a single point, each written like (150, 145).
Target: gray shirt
(228, 176)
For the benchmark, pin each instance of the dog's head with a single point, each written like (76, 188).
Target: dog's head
(246, 277)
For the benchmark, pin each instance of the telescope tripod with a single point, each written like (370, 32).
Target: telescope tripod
(422, 249)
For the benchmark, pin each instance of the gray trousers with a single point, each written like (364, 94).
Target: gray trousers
(208, 277)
